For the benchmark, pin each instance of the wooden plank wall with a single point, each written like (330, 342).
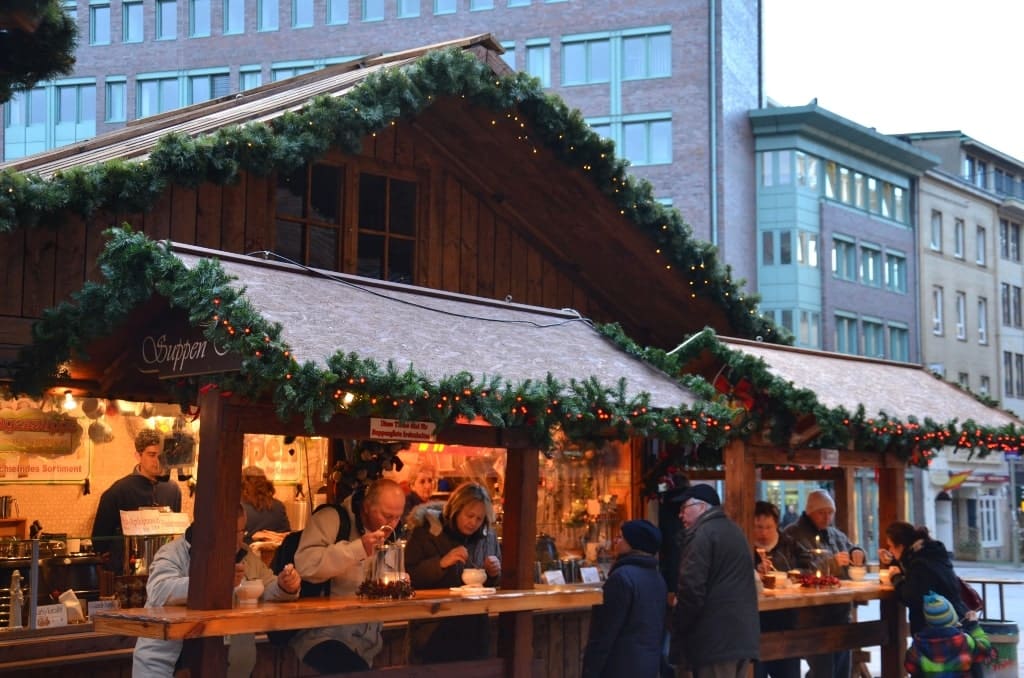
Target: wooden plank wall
(468, 243)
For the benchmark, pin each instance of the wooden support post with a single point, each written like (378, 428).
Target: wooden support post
(740, 486)
(846, 504)
(211, 570)
(892, 507)
(518, 553)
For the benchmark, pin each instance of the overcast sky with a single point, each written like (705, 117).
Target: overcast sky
(903, 65)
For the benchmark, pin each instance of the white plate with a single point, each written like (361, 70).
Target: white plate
(472, 590)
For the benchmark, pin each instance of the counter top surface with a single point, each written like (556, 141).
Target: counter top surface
(846, 592)
(167, 623)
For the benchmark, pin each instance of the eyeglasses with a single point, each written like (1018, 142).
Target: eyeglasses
(691, 504)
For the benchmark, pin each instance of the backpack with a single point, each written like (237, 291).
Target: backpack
(286, 554)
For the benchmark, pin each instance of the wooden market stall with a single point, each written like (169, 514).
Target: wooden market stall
(819, 416)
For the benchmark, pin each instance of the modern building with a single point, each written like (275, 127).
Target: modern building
(837, 253)
(669, 82)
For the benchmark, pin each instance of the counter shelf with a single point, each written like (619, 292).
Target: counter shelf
(886, 633)
(167, 623)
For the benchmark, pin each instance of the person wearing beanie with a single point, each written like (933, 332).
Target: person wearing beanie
(943, 647)
(715, 625)
(627, 629)
(824, 547)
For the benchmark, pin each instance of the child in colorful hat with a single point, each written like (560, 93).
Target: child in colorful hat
(944, 649)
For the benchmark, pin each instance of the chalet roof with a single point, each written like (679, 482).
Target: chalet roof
(900, 390)
(139, 137)
(436, 333)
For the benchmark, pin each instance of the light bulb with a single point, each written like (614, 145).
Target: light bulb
(347, 399)
(69, 401)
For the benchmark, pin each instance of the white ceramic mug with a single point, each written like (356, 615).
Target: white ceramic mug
(74, 545)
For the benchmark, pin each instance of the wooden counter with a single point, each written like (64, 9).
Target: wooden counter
(178, 623)
(846, 592)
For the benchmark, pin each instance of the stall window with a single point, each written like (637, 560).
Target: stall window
(309, 208)
(387, 227)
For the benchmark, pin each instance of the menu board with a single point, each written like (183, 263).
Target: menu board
(151, 522)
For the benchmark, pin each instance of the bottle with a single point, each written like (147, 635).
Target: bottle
(17, 600)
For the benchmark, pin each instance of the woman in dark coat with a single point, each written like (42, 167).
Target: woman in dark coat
(921, 565)
(445, 540)
(626, 630)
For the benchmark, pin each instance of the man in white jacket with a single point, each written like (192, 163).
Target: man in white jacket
(168, 585)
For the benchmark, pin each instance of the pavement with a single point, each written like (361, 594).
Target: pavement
(1012, 601)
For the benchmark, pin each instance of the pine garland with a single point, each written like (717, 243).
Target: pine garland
(135, 268)
(28, 57)
(295, 138)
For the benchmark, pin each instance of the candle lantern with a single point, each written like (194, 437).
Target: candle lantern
(387, 576)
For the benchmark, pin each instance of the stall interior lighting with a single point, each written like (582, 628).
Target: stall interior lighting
(69, 401)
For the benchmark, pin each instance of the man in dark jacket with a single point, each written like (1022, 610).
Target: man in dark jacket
(825, 548)
(140, 488)
(715, 622)
(626, 629)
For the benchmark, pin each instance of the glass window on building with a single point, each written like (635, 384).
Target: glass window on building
(982, 320)
(76, 104)
(1015, 302)
(509, 55)
(166, 19)
(538, 63)
(250, 79)
(1008, 373)
(874, 338)
(885, 200)
(156, 95)
(518, 3)
(586, 61)
(807, 249)
(99, 24)
(234, 17)
(958, 238)
(1004, 238)
(846, 334)
(807, 170)
(408, 8)
(899, 205)
(899, 343)
(784, 167)
(71, 9)
(874, 204)
(935, 239)
(208, 86)
(845, 186)
(767, 168)
(785, 248)
(131, 20)
(387, 228)
(871, 266)
(810, 332)
(647, 142)
(768, 248)
(309, 204)
(117, 101)
(961, 316)
(1014, 244)
(269, 15)
(480, 4)
(337, 11)
(985, 385)
(302, 13)
(647, 56)
(980, 244)
(787, 319)
(445, 6)
(199, 18)
(895, 272)
(831, 180)
(859, 193)
(1018, 359)
(1004, 302)
(844, 259)
(937, 317)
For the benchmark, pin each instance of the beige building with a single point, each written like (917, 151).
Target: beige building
(970, 209)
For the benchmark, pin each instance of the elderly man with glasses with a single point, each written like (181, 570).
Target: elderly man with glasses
(716, 630)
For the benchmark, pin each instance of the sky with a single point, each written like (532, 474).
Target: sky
(903, 65)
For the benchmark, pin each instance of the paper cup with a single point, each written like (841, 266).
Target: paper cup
(74, 545)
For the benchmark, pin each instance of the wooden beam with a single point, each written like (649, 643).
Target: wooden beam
(846, 506)
(764, 456)
(740, 485)
(518, 546)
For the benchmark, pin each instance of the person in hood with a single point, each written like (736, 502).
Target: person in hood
(626, 630)
(942, 647)
(716, 630)
(444, 540)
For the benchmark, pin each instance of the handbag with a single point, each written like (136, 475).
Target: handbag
(970, 596)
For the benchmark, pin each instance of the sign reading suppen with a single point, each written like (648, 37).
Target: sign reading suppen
(185, 352)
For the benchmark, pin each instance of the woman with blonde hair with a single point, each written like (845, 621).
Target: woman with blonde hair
(445, 540)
